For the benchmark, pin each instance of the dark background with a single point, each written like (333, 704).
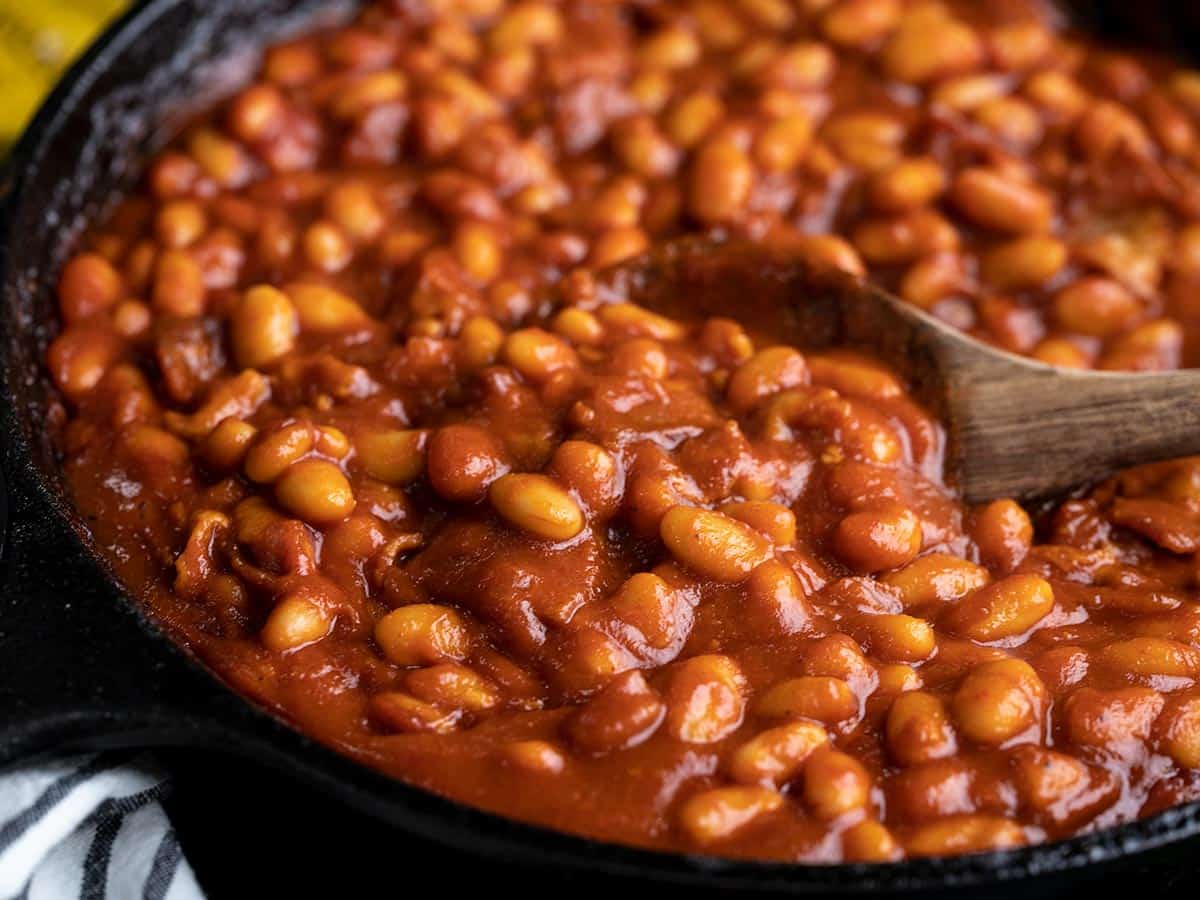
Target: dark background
(250, 831)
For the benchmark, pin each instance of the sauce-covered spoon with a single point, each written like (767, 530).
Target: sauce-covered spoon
(1016, 427)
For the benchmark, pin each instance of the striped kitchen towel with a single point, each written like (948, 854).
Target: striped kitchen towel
(91, 827)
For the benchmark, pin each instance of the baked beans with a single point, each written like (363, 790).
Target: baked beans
(352, 406)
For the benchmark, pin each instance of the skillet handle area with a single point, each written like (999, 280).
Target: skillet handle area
(80, 668)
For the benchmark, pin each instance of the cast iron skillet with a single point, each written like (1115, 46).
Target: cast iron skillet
(81, 666)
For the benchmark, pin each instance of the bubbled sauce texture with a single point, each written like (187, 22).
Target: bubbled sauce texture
(347, 405)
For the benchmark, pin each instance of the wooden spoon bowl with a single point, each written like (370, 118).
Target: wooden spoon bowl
(1016, 427)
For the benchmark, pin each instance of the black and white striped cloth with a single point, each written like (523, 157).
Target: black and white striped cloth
(90, 827)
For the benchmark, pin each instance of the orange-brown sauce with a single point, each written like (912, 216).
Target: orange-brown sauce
(660, 580)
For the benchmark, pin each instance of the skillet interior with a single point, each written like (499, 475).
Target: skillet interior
(76, 653)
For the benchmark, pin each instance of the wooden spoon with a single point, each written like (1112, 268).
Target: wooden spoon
(1016, 427)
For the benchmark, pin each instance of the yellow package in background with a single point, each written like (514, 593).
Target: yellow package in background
(38, 40)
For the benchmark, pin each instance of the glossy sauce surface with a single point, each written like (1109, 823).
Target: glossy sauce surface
(348, 405)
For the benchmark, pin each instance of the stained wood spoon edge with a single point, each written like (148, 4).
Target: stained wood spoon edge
(1016, 427)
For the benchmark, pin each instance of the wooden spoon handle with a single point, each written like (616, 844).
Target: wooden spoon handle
(1017, 428)
(1039, 431)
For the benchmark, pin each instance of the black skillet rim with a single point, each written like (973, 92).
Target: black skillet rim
(415, 809)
